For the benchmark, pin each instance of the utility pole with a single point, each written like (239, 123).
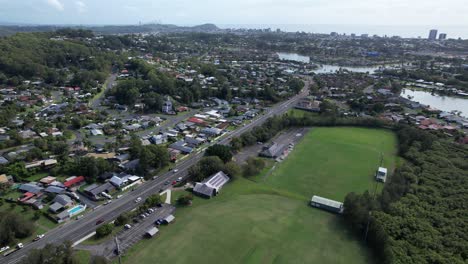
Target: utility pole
(118, 249)
(373, 197)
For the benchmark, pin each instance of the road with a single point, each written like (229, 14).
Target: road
(77, 229)
(96, 103)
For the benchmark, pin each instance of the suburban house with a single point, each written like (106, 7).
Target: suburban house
(381, 174)
(181, 146)
(60, 202)
(73, 181)
(327, 204)
(211, 186)
(93, 191)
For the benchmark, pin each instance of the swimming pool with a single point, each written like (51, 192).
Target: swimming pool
(77, 209)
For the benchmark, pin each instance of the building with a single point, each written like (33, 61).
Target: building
(327, 204)
(433, 34)
(60, 202)
(93, 191)
(211, 186)
(73, 181)
(273, 151)
(381, 174)
(168, 219)
(442, 36)
(31, 188)
(167, 106)
(181, 146)
(152, 232)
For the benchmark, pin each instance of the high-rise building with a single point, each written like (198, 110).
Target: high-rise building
(442, 36)
(433, 34)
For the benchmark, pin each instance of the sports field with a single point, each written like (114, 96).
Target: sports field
(270, 221)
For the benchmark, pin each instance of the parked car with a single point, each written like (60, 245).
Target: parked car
(174, 182)
(38, 237)
(119, 196)
(127, 226)
(20, 246)
(5, 248)
(175, 170)
(137, 200)
(179, 179)
(166, 183)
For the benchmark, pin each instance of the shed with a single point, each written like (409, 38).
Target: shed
(152, 232)
(168, 219)
(327, 204)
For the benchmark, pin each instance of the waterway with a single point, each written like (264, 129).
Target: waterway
(441, 102)
(326, 68)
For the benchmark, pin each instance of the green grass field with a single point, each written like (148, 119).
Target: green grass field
(331, 162)
(270, 221)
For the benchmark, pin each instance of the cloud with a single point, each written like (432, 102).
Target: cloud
(55, 4)
(80, 6)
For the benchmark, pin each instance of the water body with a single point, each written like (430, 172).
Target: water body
(326, 68)
(444, 103)
(293, 57)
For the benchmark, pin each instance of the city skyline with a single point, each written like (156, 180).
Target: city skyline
(184, 12)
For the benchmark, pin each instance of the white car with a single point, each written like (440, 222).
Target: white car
(4, 248)
(137, 200)
(175, 171)
(127, 226)
(20, 245)
(38, 237)
(179, 179)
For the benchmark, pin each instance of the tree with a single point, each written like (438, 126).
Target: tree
(236, 144)
(206, 167)
(185, 200)
(122, 219)
(232, 169)
(104, 230)
(221, 151)
(52, 254)
(253, 167)
(296, 85)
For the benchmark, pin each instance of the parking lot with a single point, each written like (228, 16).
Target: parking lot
(128, 237)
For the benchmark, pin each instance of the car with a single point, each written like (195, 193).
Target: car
(179, 179)
(127, 226)
(155, 177)
(5, 248)
(38, 237)
(175, 170)
(79, 217)
(100, 221)
(137, 200)
(19, 246)
(119, 196)
(174, 182)
(108, 202)
(166, 183)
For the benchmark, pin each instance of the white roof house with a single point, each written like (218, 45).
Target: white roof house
(152, 231)
(381, 174)
(211, 186)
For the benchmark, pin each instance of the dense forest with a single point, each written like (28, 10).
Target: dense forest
(421, 215)
(57, 62)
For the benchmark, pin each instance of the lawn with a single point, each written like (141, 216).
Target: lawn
(269, 221)
(331, 162)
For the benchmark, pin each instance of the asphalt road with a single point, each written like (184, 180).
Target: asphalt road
(74, 230)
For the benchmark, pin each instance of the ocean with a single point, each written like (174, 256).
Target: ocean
(455, 31)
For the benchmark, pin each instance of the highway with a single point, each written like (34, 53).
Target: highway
(74, 230)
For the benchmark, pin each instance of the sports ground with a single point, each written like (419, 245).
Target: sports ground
(269, 221)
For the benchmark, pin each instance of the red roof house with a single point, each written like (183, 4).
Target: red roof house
(74, 181)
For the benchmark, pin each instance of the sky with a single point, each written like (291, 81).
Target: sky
(191, 12)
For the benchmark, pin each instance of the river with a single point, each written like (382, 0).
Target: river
(325, 68)
(444, 103)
